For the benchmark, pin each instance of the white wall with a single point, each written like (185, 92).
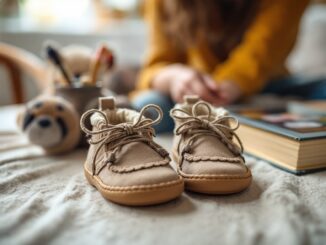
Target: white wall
(128, 41)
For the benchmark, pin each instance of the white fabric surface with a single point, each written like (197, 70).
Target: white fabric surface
(46, 200)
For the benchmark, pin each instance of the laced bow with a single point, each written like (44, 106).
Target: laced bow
(115, 136)
(207, 124)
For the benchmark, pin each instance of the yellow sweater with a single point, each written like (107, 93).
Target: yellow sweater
(258, 58)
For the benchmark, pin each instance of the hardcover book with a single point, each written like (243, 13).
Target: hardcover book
(293, 138)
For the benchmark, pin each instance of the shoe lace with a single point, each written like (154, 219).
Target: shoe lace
(116, 136)
(194, 126)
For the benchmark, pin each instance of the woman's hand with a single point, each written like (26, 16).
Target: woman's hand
(228, 93)
(189, 82)
(179, 80)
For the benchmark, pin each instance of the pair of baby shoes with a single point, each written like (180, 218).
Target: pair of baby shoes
(128, 167)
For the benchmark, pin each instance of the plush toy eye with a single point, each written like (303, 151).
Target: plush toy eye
(60, 107)
(38, 105)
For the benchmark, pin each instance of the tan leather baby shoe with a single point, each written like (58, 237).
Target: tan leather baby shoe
(204, 151)
(123, 162)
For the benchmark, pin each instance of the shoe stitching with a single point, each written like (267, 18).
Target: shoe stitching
(214, 176)
(193, 158)
(134, 188)
(118, 169)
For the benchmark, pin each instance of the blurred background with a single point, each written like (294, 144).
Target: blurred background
(28, 23)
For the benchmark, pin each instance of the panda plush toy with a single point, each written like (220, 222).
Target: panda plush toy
(52, 123)
(51, 120)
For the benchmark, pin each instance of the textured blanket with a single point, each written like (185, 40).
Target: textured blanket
(46, 200)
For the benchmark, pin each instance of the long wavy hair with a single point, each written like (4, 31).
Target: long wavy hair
(218, 23)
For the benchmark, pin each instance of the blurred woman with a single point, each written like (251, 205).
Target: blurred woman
(221, 50)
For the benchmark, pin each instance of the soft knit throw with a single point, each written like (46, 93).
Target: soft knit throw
(46, 200)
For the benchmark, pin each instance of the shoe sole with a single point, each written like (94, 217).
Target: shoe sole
(138, 195)
(215, 184)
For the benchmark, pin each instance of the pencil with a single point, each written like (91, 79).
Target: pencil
(102, 56)
(53, 55)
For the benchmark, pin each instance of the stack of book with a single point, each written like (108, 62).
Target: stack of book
(293, 138)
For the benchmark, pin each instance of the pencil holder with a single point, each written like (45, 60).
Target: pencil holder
(82, 98)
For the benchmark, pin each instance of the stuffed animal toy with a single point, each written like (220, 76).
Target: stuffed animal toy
(77, 61)
(77, 65)
(52, 123)
(51, 120)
